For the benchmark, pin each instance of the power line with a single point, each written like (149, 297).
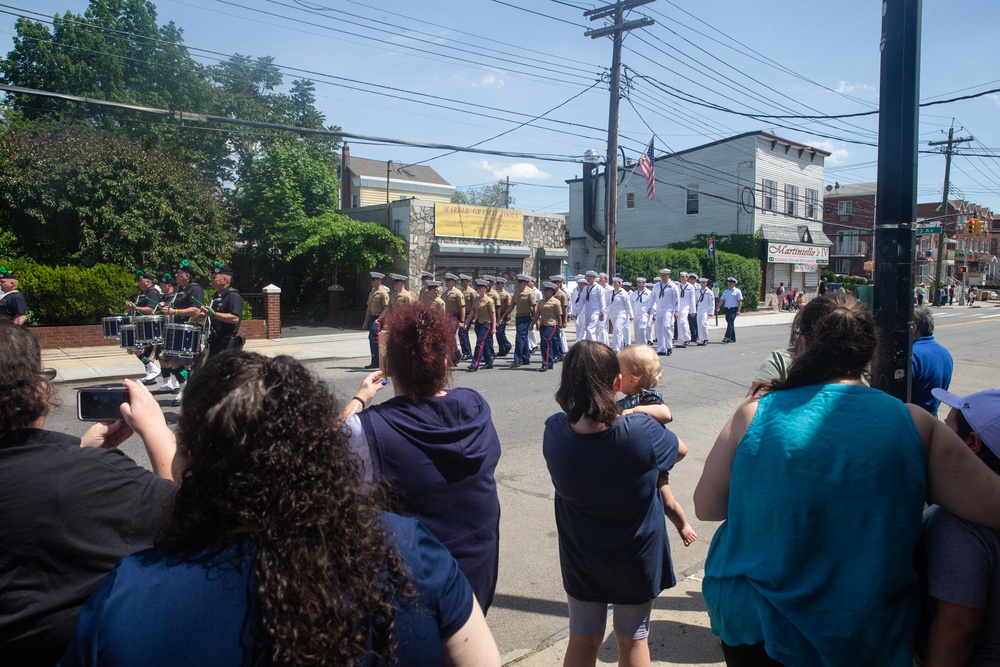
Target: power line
(193, 117)
(531, 11)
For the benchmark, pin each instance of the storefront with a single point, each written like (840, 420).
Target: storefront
(793, 256)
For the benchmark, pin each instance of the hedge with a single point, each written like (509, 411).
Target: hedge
(647, 263)
(850, 283)
(74, 294)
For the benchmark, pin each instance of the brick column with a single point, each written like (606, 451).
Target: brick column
(335, 294)
(272, 308)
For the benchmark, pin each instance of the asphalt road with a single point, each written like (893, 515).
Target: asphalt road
(702, 386)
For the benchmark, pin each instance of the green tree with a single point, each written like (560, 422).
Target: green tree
(114, 51)
(494, 195)
(79, 198)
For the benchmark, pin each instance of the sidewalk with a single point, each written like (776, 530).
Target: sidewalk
(679, 633)
(81, 364)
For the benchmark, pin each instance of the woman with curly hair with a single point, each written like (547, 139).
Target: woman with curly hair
(70, 507)
(276, 552)
(434, 448)
(821, 482)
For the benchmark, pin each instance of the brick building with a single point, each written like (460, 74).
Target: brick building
(849, 221)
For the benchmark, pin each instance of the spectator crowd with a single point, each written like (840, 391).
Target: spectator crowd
(277, 524)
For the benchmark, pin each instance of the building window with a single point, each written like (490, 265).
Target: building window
(692, 199)
(791, 200)
(354, 200)
(769, 189)
(629, 200)
(847, 243)
(843, 267)
(844, 207)
(812, 198)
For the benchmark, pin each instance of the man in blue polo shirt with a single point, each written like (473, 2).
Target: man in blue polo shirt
(932, 363)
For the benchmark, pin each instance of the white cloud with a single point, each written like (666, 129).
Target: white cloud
(838, 154)
(492, 79)
(995, 98)
(517, 171)
(846, 87)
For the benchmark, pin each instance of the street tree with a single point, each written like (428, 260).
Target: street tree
(75, 197)
(493, 195)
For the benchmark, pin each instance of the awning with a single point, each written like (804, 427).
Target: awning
(553, 253)
(792, 233)
(480, 249)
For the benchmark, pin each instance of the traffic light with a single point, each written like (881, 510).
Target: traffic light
(970, 227)
(980, 226)
(963, 269)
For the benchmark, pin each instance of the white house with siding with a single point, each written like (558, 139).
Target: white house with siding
(747, 183)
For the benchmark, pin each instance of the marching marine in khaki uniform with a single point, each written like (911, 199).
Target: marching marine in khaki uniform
(503, 315)
(548, 321)
(470, 295)
(399, 297)
(485, 316)
(433, 296)
(378, 300)
(524, 311)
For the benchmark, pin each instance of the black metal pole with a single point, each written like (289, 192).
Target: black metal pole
(896, 205)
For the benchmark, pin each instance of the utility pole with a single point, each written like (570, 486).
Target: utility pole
(506, 194)
(617, 29)
(896, 198)
(944, 201)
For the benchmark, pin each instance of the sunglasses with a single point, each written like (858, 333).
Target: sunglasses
(48, 373)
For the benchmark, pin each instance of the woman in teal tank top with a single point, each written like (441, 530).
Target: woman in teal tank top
(821, 481)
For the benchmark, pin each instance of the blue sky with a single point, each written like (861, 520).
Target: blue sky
(772, 57)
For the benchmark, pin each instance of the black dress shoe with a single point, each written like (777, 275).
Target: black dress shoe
(516, 364)
(149, 383)
(370, 366)
(472, 370)
(543, 369)
(670, 351)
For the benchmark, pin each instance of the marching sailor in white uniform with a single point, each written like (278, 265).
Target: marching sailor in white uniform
(665, 298)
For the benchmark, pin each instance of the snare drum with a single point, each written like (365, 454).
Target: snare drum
(183, 342)
(113, 326)
(127, 338)
(149, 329)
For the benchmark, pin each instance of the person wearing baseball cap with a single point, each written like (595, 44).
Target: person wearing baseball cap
(13, 307)
(963, 558)
(732, 302)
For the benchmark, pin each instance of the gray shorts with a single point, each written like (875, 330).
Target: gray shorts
(591, 618)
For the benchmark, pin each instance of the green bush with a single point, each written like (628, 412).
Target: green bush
(72, 294)
(850, 283)
(633, 263)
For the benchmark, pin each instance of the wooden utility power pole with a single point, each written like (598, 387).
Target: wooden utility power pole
(939, 260)
(617, 29)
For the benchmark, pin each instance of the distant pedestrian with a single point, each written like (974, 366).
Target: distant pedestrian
(921, 294)
(951, 295)
(822, 289)
(973, 292)
(780, 293)
(932, 363)
(732, 302)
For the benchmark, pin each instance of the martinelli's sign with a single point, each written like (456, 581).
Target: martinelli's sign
(792, 253)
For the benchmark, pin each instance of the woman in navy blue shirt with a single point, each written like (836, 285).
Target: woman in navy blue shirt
(607, 471)
(276, 552)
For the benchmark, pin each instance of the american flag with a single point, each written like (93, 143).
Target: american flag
(648, 170)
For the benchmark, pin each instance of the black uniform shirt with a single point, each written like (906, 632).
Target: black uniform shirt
(186, 299)
(228, 300)
(12, 305)
(148, 299)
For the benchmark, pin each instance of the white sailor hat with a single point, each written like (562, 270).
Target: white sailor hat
(377, 276)
(556, 279)
(398, 278)
(616, 279)
(522, 278)
(426, 274)
(464, 276)
(602, 274)
(580, 278)
(548, 285)
(450, 276)
(693, 276)
(640, 278)
(434, 283)
(730, 279)
(481, 283)
(662, 271)
(683, 273)
(703, 279)
(592, 274)
(626, 284)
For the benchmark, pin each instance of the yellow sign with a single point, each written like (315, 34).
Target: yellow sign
(478, 222)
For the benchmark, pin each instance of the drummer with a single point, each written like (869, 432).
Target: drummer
(225, 311)
(186, 305)
(146, 303)
(169, 294)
